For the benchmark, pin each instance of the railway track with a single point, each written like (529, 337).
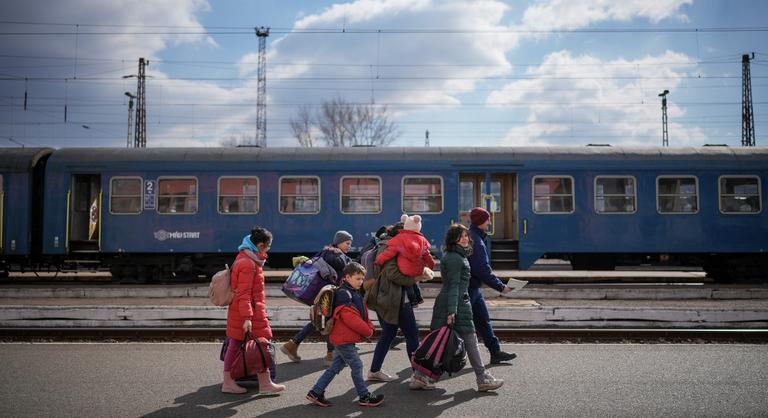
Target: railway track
(521, 335)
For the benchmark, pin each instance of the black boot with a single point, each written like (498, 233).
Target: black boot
(501, 356)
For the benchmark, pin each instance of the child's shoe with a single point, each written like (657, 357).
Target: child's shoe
(318, 399)
(371, 400)
(267, 386)
(291, 349)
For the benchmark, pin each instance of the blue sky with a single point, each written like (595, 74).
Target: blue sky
(481, 73)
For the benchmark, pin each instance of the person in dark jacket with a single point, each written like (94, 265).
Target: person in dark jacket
(336, 257)
(351, 326)
(388, 299)
(482, 274)
(452, 307)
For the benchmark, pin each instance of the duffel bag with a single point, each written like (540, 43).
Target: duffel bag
(307, 279)
(253, 357)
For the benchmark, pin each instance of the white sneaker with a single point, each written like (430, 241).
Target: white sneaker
(379, 376)
(488, 382)
(420, 383)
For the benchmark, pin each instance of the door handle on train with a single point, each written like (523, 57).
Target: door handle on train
(525, 226)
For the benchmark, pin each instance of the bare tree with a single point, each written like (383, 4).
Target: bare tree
(302, 127)
(344, 124)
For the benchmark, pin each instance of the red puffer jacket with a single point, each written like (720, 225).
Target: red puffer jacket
(248, 303)
(349, 327)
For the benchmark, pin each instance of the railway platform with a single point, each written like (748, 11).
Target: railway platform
(572, 305)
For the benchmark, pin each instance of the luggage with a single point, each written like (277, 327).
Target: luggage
(306, 280)
(254, 356)
(321, 312)
(442, 350)
(220, 290)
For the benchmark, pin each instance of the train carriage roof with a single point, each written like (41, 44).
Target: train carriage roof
(21, 159)
(106, 155)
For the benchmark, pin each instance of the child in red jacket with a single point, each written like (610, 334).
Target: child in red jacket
(247, 313)
(412, 252)
(351, 325)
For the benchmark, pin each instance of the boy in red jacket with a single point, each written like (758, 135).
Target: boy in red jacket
(351, 325)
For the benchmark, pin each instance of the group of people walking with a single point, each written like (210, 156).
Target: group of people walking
(402, 261)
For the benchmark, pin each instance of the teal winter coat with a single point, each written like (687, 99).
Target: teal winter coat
(454, 295)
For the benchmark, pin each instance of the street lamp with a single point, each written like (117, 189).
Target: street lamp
(130, 117)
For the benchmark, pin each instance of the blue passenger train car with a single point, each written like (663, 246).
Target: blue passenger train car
(21, 179)
(159, 212)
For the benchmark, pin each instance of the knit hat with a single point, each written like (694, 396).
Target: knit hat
(411, 223)
(478, 216)
(341, 236)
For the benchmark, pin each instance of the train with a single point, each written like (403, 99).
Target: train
(156, 214)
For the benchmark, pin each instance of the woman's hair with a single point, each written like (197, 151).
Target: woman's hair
(260, 235)
(453, 235)
(396, 227)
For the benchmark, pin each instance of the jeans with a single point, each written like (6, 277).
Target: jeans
(482, 320)
(406, 322)
(346, 353)
(308, 329)
(470, 344)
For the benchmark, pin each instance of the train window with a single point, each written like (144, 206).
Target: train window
(496, 193)
(125, 195)
(615, 195)
(177, 195)
(677, 194)
(553, 194)
(238, 195)
(300, 195)
(740, 194)
(360, 195)
(422, 194)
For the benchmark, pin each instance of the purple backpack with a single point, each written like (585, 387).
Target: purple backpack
(308, 278)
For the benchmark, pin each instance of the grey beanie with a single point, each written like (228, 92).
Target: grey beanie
(341, 236)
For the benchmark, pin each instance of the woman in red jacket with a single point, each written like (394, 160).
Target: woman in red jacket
(248, 311)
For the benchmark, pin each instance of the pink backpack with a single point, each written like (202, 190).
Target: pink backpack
(220, 290)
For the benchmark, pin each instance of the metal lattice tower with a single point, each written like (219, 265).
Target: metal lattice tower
(261, 95)
(747, 117)
(664, 131)
(426, 138)
(129, 143)
(140, 140)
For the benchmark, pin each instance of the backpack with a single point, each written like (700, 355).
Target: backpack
(220, 290)
(321, 312)
(454, 355)
(426, 358)
(308, 278)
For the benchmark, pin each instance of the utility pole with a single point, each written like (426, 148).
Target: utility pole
(747, 117)
(141, 107)
(261, 93)
(129, 143)
(426, 138)
(664, 132)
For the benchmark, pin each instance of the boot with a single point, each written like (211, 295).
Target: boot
(266, 385)
(291, 349)
(229, 385)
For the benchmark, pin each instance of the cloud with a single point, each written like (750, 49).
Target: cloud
(575, 14)
(583, 99)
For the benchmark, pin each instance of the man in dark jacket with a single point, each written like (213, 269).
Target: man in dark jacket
(481, 273)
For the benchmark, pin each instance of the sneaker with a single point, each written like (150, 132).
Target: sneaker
(328, 359)
(318, 399)
(501, 356)
(489, 382)
(379, 376)
(420, 383)
(371, 400)
(396, 341)
(291, 350)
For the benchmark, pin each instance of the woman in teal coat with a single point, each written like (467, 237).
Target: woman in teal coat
(452, 307)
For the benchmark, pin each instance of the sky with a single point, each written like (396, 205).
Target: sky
(472, 73)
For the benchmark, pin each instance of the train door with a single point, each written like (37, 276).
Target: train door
(84, 222)
(500, 198)
(2, 215)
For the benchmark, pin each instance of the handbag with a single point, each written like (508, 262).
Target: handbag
(253, 357)
(306, 280)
